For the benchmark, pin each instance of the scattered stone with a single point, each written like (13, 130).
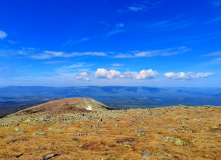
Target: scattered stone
(19, 155)
(186, 118)
(75, 139)
(11, 136)
(140, 132)
(80, 134)
(198, 113)
(18, 129)
(77, 134)
(176, 140)
(162, 146)
(97, 132)
(40, 133)
(116, 125)
(48, 156)
(181, 126)
(210, 137)
(162, 155)
(173, 130)
(145, 155)
(57, 129)
(197, 120)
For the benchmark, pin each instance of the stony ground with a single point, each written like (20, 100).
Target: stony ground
(176, 132)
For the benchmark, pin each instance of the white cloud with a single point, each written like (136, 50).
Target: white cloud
(136, 8)
(117, 64)
(217, 19)
(54, 62)
(114, 32)
(82, 76)
(187, 76)
(119, 25)
(171, 24)
(74, 42)
(103, 73)
(144, 74)
(2, 34)
(75, 65)
(218, 53)
(142, 6)
(215, 3)
(152, 53)
(118, 29)
(51, 54)
(129, 75)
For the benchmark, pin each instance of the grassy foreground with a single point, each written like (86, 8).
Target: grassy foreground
(176, 132)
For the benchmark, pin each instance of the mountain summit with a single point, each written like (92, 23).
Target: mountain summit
(58, 107)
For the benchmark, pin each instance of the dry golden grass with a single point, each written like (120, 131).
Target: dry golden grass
(115, 138)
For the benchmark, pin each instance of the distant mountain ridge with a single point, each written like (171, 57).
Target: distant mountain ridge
(114, 96)
(94, 91)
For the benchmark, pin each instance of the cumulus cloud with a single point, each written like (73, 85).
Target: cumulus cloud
(187, 76)
(144, 74)
(103, 73)
(152, 53)
(51, 54)
(2, 34)
(82, 76)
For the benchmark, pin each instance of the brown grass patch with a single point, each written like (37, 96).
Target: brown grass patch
(105, 139)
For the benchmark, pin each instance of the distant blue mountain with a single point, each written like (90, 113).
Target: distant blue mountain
(113, 95)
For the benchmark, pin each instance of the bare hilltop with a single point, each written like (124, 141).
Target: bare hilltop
(85, 129)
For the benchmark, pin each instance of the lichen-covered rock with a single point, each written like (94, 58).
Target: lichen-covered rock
(48, 156)
(40, 133)
(18, 129)
(144, 155)
(56, 129)
(11, 136)
(176, 140)
(140, 132)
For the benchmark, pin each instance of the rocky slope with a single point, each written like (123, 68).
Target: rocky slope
(68, 129)
(56, 107)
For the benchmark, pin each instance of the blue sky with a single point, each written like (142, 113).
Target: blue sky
(159, 43)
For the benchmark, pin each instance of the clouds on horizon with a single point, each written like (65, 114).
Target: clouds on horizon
(144, 74)
(187, 76)
(82, 76)
(102, 73)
